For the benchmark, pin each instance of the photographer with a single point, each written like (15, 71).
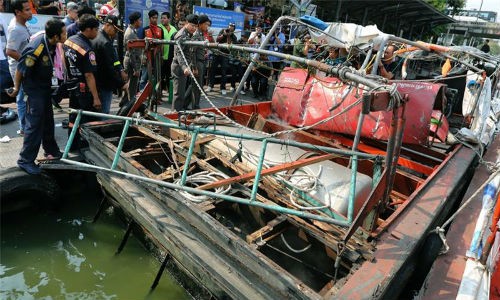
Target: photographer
(225, 36)
(257, 36)
(276, 43)
(303, 47)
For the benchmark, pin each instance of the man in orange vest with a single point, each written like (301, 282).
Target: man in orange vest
(154, 32)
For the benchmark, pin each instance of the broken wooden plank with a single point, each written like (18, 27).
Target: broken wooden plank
(269, 231)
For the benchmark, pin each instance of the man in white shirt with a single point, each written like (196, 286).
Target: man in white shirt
(18, 37)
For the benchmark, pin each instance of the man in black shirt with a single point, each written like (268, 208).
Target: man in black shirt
(110, 74)
(80, 62)
(486, 48)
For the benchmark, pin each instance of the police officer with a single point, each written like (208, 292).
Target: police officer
(36, 72)
(110, 74)
(200, 56)
(180, 70)
(80, 62)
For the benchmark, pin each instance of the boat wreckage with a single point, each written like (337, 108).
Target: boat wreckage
(329, 191)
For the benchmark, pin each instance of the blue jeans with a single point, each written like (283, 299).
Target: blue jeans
(106, 96)
(144, 78)
(21, 109)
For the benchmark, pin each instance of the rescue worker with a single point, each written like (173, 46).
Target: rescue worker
(168, 53)
(132, 59)
(180, 69)
(80, 61)
(110, 74)
(200, 55)
(35, 72)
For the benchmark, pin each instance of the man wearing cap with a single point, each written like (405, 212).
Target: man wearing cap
(132, 59)
(71, 13)
(200, 56)
(225, 36)
(80, 62)
(110, 74)
(180, 68)
(168, 53)
(35, 71)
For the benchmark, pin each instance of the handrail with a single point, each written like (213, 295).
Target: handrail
(196, 130)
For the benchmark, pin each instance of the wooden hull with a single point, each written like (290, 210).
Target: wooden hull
(242, 252)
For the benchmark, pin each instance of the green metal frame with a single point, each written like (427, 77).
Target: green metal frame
(332, 218)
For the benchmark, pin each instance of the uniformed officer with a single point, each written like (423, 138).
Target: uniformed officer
(36, 72)
(110, 74)
(200, 56)
(80, 62)
(180, 71)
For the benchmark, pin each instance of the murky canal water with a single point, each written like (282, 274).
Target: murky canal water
(62, 255)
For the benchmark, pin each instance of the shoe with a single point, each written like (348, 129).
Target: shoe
(65, 123)
(20, 132)
(209, 89)
(231, 89)
(242, 92)
(30, 168)
(53, 156)
(223, 92)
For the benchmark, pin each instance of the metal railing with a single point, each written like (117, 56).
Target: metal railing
(196, 130)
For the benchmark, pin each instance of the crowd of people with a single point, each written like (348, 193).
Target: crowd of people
(77, 54)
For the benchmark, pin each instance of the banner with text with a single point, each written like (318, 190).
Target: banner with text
(221, 18)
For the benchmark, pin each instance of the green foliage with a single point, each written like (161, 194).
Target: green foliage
(438, 4)
(455, 5)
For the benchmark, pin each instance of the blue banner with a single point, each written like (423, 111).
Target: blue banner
(221, 18)
(144, 6)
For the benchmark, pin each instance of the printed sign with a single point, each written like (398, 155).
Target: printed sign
(221, 18)
(36, 24)
(144, 6)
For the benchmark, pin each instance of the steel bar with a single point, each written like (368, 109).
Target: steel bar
(228, 134)
(72, 134)
(120, 145)
(160, 271)
(125, 238)
(188, 157)
(174, 186)
(343, 73)
(262, 157)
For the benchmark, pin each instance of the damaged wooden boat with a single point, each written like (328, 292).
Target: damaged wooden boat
(329, 191)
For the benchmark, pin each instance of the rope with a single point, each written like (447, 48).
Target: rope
(202, 178)
(440, 229)
(292, 249)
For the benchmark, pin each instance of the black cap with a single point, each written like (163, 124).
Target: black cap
(192, 19)
(113, 20)
(232, 24)
(203, 18)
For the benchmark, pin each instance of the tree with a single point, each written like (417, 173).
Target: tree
(455, 5)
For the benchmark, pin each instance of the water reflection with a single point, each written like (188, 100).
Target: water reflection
(62, 255)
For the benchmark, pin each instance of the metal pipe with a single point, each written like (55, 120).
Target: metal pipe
(188, 156)
(120, 145)
(343, 73)
(259, 170)
(72, 134)
(379, 54)
(174, 186)
(263, 45)
(367, 59)
(228, 134)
